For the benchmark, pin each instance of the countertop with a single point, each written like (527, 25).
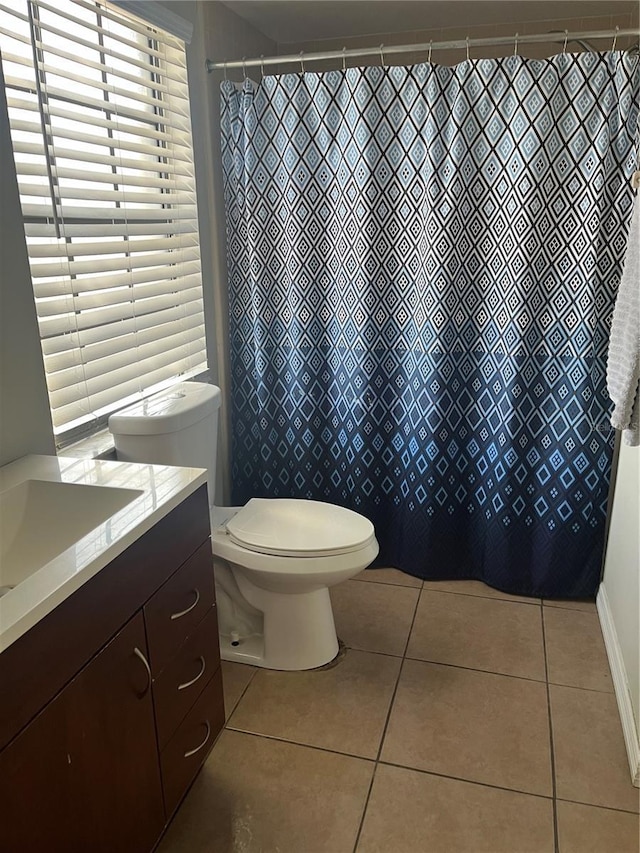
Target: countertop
(162, 488)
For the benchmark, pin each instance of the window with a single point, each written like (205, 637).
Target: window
(101, 133)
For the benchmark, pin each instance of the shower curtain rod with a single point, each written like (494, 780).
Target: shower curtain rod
(383, 51)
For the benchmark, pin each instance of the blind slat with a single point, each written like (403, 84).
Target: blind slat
(55, 109)
(127, 356)
(67, 344)
(40, 170)
(176, 258)
(177, 143)
(93, 30)
(181, 168)
(125, 197)
(126, 229)
(112, 247)
(191, 325)
(108, 214)
(66, 323)
(119, 375)
(67, 73)
(142, 27)
(97, 405)
(65, 288)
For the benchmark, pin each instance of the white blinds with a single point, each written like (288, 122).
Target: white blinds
(101, 132)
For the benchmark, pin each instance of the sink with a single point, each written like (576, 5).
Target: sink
(39, 519)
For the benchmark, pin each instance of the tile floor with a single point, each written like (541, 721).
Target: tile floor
(460, 720)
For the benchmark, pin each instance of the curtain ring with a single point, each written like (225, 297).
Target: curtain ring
(244, 67)
(344, 59)
(302, 60)
(615, 39)
(566, 36)
(382, 56)
(467, 41)
(225, 71)
(430, 48)
(262, 64)
(515, 45)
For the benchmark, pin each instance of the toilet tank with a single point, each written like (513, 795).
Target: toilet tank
(178, 426)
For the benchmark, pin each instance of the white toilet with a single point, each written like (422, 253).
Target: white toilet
(275, 559)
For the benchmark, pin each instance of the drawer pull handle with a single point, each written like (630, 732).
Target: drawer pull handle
(197, 678)
(191, 752)
(190, 608)
(141, 656)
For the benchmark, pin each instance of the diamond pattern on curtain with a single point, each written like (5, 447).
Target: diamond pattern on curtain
(422, 268)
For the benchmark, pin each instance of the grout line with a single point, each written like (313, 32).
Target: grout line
(389, 583)
(512, 600)
(366, 806)
(395, 689)
(373, 651)
(475, 669)
(388, 717)
(588, 689)
(551, 744)
(585, 689)
(594, 806)
(239, 699)
(464, 779)
(299, 743)
(572, 609)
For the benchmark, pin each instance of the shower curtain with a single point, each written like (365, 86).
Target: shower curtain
(422, 267)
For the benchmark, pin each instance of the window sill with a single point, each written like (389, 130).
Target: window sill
(99, 445)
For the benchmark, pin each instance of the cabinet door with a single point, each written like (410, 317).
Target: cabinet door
(113, 747)
(37, 796)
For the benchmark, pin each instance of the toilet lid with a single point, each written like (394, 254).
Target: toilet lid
(288, 527)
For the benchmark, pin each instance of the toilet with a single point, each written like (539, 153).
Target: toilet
(274, 558)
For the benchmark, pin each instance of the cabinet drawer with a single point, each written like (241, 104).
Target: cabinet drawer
(182, 756)
(185, 675)
(173, 613)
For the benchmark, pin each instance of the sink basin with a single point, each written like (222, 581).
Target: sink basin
(39, 519)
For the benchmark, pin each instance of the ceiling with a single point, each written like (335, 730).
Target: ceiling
(311, 20)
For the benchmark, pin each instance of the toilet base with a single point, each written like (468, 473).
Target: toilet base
(274, 611)
(299, 632)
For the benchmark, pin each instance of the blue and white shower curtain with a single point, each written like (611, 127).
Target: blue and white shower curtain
(422, 268)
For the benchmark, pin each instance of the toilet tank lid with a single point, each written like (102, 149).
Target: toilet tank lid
(170, 410)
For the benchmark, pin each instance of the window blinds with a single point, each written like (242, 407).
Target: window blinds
(101, 132)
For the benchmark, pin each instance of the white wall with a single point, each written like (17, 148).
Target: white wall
(25, 419)
(582, 21)
(621, 583)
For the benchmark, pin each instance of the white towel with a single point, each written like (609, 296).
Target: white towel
(623, 364)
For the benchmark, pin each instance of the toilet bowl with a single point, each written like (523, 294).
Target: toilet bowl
(274, 558)
(281, 556)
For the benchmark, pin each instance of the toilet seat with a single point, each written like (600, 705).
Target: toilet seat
(288, 527)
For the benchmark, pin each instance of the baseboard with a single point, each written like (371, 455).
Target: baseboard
(620, 685)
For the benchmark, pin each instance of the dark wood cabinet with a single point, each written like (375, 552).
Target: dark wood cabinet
(111, 724)
(105, 761)
(37, 804)
(56, 777)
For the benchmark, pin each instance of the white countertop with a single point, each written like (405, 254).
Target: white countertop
(162, 488)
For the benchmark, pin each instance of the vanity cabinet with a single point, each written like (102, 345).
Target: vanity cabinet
(98, 755)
